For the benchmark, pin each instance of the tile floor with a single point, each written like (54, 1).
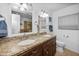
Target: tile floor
(66, 53)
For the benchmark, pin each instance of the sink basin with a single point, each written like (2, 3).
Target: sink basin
(26, 42)
(46, 35)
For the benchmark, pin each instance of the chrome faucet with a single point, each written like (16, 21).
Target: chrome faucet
(23, 36)
(38, 27)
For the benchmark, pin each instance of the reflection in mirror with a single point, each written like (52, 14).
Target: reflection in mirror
(21, 17)
(3, 27)
(26, 23)
(21, 22)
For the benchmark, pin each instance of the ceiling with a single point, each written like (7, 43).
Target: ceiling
(48, 7)
(52, 6)
(23, 15)
(16, 7)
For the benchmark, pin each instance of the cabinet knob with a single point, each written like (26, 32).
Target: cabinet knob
(46, 52)
(34, 51)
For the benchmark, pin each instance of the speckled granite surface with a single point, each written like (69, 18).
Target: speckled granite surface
(9, 46)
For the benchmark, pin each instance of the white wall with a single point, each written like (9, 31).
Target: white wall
(34, 19)
(72, 42)
(15, 24)
(5, 11)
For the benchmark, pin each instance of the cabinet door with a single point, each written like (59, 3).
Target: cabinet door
(49, 47)
(53, 49)
(47, 51)
(54, 45)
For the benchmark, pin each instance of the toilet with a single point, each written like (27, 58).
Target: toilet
(60, 46)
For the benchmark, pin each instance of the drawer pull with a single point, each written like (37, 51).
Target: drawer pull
(34, 51)
(46, 52)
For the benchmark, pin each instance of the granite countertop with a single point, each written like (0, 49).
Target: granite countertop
(9, 46)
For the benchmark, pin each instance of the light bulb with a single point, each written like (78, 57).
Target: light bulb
(22, 9)
(43, 14)
(25, 6)
(15, 7)
(17, 3)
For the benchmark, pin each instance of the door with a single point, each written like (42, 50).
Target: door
(15, 23)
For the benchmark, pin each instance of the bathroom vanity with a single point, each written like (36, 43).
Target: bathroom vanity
(47, 48)
(43, 45)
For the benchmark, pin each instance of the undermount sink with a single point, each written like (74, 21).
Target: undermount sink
(46, 35)
(26, 42)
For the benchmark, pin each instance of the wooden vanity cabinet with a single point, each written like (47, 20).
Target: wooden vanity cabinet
(54, 46)
(35, 51)
(47, 48)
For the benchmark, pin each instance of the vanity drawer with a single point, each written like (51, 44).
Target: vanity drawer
(35, 51)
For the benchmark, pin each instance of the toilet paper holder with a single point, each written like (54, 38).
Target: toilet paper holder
(66, 36)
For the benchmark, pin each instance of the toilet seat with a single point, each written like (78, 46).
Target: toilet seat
(60, 46)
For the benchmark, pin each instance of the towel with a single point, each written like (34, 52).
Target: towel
(3, 28)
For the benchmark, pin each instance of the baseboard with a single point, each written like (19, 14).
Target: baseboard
(71, 51)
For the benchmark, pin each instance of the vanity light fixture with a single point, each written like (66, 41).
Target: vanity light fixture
(22, 9)
(15, 7)
(22, 6)
(25, 5)
(43, 14)
(17, 3)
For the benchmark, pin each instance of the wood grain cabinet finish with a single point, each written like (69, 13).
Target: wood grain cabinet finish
(35, 51)
(47, 48)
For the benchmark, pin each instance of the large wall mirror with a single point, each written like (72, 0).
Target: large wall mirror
(26, 23)
(21, 22)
